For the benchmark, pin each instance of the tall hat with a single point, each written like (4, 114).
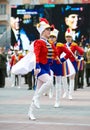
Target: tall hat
(54, 33)
(68, 33)
(16, 47)
(44, 24)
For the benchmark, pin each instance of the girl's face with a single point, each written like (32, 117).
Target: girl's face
(52, 39)
(46, 33)
(68, 39)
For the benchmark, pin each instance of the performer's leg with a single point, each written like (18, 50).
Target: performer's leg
(19, 81)
(12, 80)
(52, 87)
(58, 91)
(71, 86)
(31, 111)
(44, 83)
(16, 80)
(65, 86)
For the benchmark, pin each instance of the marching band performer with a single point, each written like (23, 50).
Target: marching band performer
(44, 55)
(73, 47)
(57, 67)
(14, 59)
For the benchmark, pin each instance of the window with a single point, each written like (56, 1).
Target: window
(2, 9)
(2, 29)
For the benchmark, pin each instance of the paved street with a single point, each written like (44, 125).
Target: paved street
(14, 105)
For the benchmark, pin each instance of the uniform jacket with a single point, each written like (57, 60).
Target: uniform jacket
(73, 47)
(44, 51)
(15, 59)
(62, 48)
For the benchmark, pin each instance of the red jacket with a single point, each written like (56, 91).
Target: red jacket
(75, 48)
(15, 59)
(44, 51)
(62, 48)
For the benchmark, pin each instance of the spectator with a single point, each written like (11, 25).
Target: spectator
(2, 67)
(88, 66)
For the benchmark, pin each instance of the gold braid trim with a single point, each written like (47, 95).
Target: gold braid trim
(60, 44)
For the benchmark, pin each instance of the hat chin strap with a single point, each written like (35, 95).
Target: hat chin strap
(44, 37)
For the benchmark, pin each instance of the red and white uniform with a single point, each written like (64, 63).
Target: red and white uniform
(15, 58)
(58, 68)
(74, 48)
(45, 53)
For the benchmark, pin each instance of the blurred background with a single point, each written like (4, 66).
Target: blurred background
(54, 10)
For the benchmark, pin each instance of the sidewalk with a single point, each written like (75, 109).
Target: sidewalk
(72, 115)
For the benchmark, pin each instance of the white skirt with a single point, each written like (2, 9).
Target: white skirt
(71, 68)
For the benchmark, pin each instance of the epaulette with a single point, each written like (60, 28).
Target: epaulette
(59, 44)
(74, 44)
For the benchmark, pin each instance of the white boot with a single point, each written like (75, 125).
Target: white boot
(51, 92)
(70, 97)
(65, 95)
(57, 104)
(30, 113)
(58, 93)
(13, 80)
(19, 81)
(43, 89)
(65, 87)
(36, 101)
(52, 87)
(71, 89)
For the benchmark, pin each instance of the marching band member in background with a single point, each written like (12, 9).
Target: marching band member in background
(57, 67)
(28, 77)
(14, 59)
(73, 47)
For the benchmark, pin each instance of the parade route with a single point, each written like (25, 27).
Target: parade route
(71, 115)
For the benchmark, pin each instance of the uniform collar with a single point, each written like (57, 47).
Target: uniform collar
(68, 44)
(45, 40)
